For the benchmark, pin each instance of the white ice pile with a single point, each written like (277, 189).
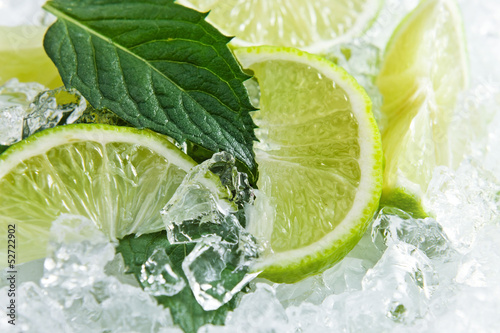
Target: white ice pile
(83, 288)
(208, 209)
(26, 108)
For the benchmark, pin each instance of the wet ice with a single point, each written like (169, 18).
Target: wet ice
(208, 209)
(80, 291)
(26, 108)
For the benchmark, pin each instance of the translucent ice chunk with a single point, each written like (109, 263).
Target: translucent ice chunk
(311, 289)
(346, 276)
(481, 266)
(406, 279)
(393, 225)
(15, 98)
(117, 269)
(26, 108)
(50, 107)
(158, 277)
(463, 201)
(259, 312)
(207, 202)
(209, 208)
(216, 272)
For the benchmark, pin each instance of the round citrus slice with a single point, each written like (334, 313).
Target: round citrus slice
(424, 69)
(22, 56)
(118, 177)
(320, 161)
(308, 25)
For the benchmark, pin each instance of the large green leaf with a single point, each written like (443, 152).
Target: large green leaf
(157, 65)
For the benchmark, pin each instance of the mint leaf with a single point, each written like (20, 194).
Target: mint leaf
(185, 310)
(157, 65)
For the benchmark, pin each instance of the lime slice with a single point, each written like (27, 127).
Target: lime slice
(308, 25)
(118, 177)
(424, 69)
(22, 56)
(320, 161)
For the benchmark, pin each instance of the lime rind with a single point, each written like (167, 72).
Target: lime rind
(42, 141)
(293, 265)
(402, 199)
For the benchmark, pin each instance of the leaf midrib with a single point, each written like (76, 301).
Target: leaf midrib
(68, 18)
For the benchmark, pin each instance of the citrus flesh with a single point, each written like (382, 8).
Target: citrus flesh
(320, 161)
(22, 56)
(424, 69)
(118, 177)
(308, 25)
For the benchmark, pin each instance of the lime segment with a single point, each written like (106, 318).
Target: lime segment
(424, 69)
(308, 25)
(319, 156)
(118, 177)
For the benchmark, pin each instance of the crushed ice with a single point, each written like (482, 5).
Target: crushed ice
(84, 288)
(26, 108)
(208, 209)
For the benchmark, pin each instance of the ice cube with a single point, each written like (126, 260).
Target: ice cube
(51, 107)
(259, 312)
(118, 269)
(463, 201)
(468, 299)
(346, 276)
(158, 277)
(209, 208)
(216, 271)
(406, 279)
(15, 98)
(208, 201)
(26, 108)
(312, 290)
(393, 225)
(481, 266)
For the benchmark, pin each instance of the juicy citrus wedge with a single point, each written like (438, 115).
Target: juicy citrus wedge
(309, 25)
(320, 161)
(118, 177)
(22, 56)
(424, 69)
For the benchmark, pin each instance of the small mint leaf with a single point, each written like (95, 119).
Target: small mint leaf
(157, 65)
